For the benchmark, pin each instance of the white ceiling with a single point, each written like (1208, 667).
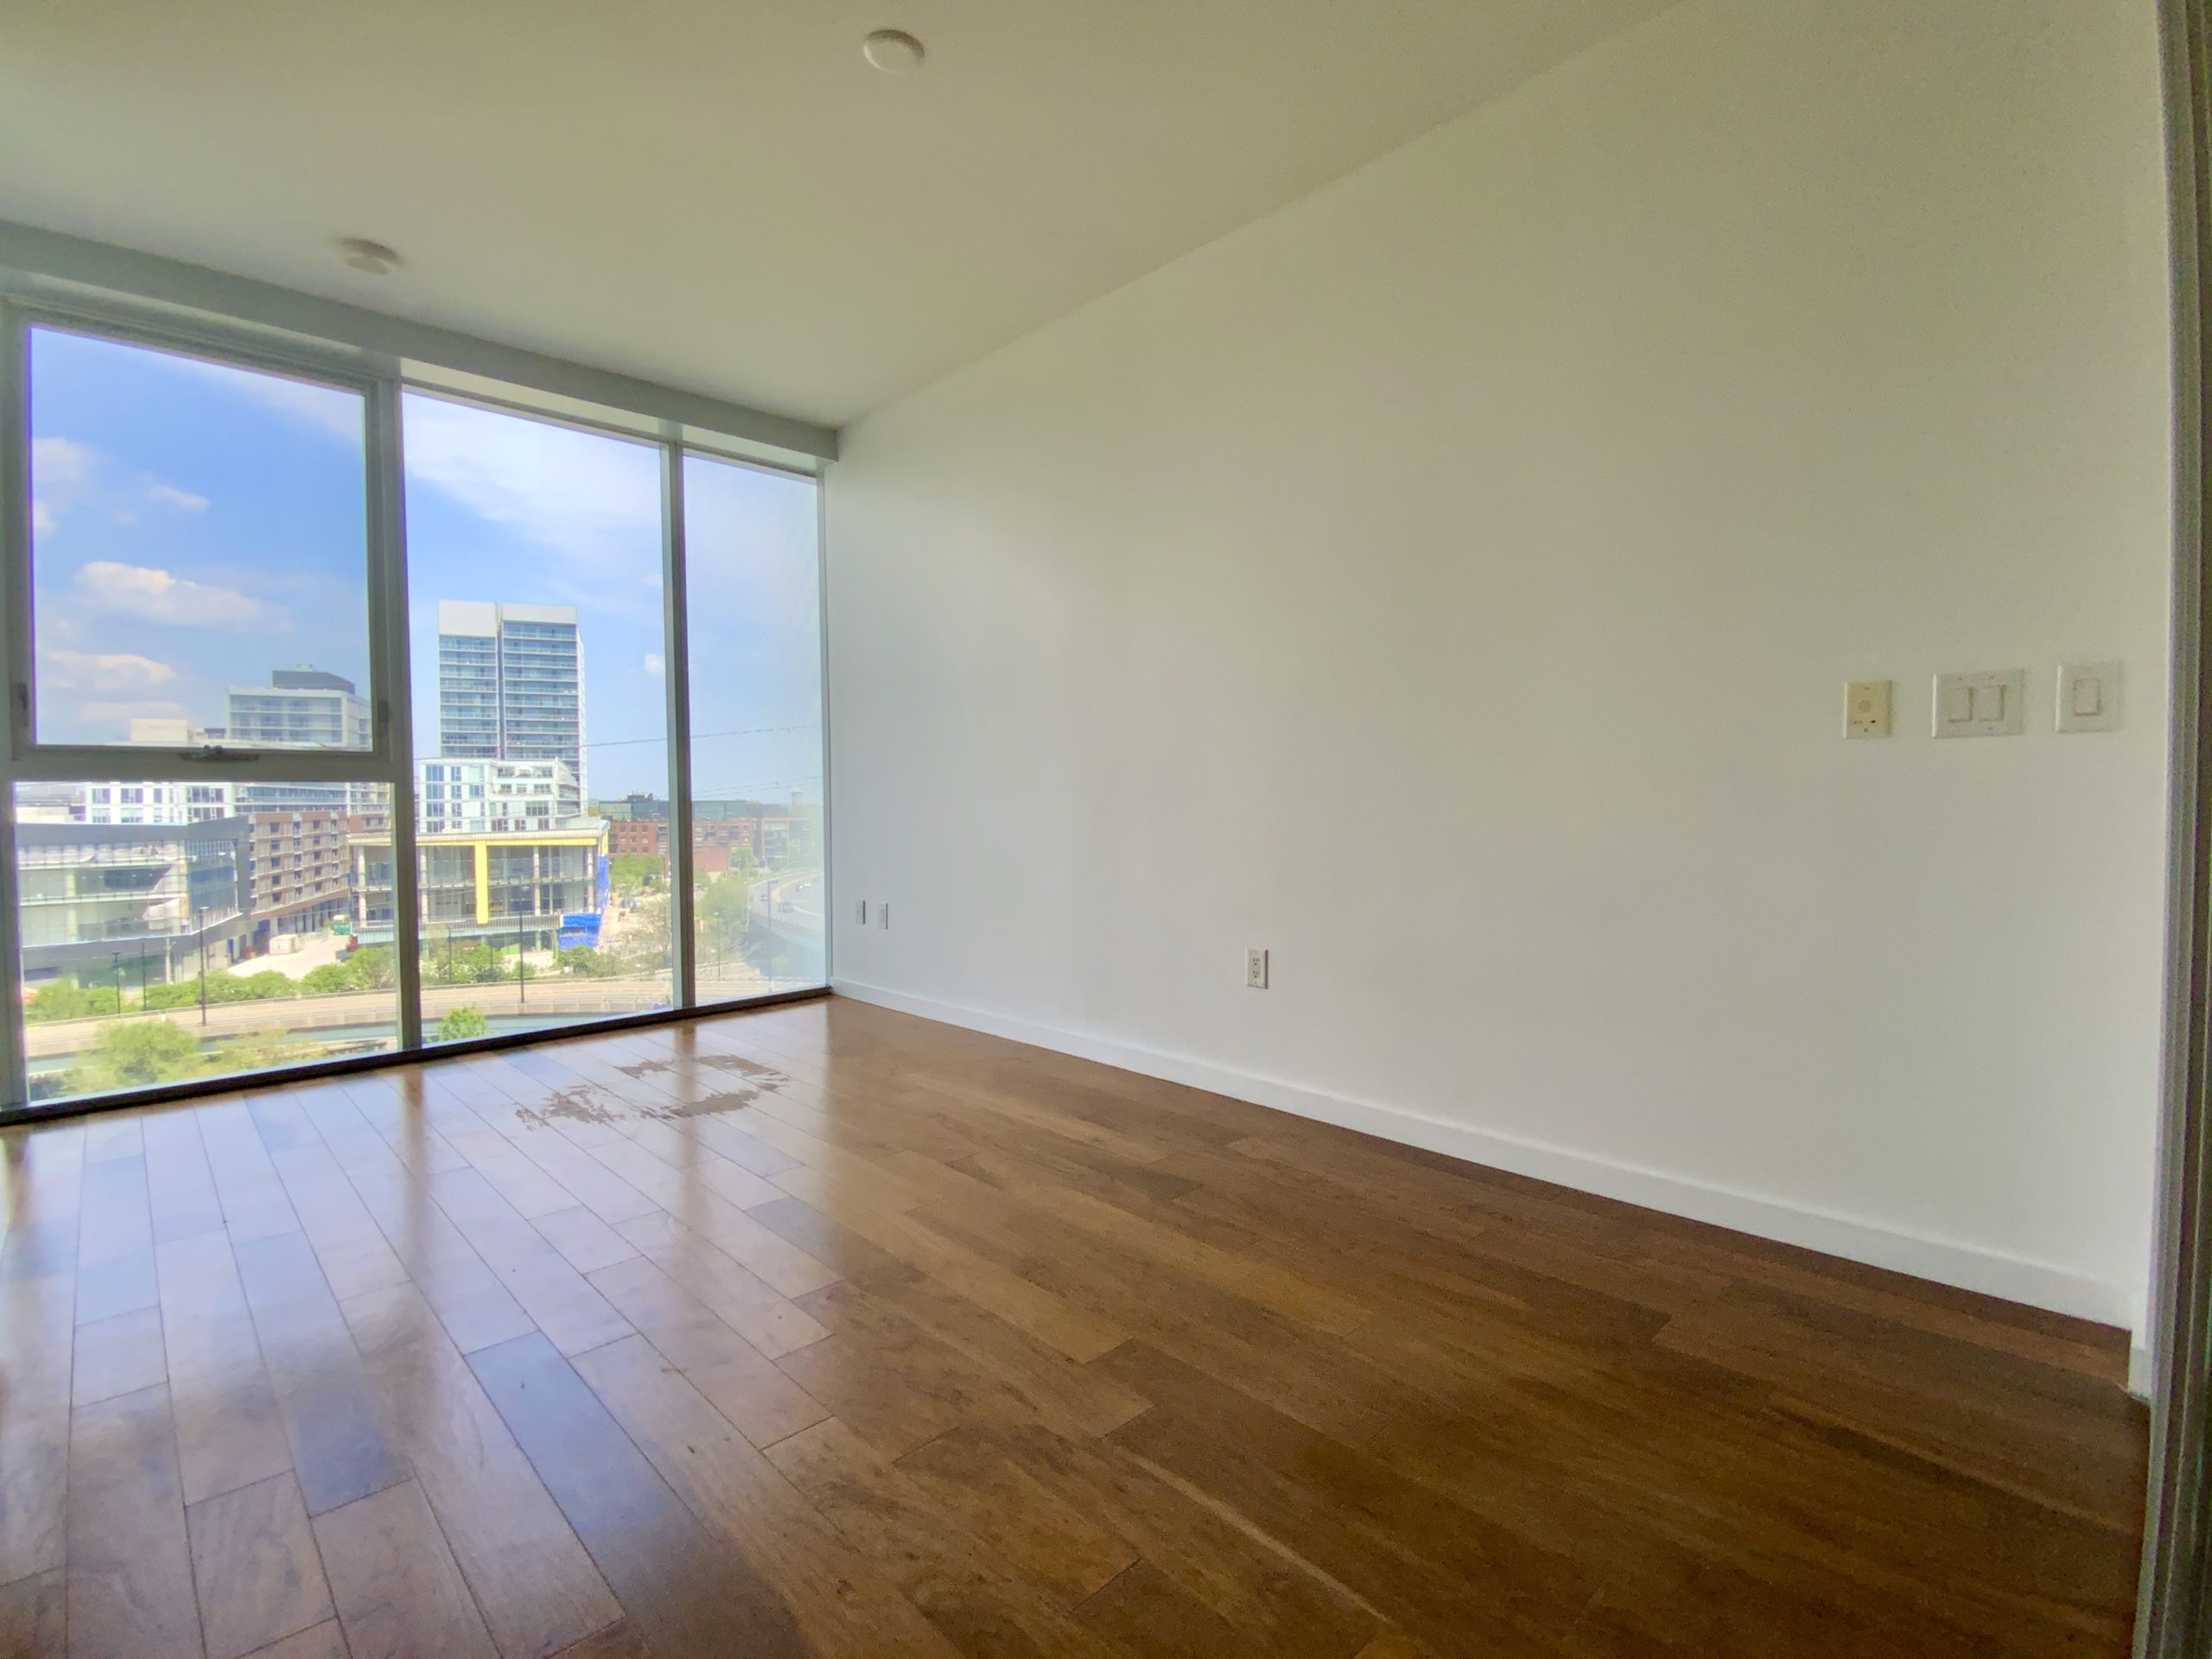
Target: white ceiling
(721, 194)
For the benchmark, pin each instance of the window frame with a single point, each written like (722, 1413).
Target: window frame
(382, 381)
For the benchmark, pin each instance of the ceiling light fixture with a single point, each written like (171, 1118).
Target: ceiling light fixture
(894, 51)
(364, 255)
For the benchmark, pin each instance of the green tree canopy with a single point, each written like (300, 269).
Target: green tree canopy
(463, 1022)
(136, 1055)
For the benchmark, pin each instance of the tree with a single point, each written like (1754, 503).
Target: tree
(583, 960)
(462, 1023)
(725, 909)
(631, 873)
(136, 1055)
(64, 999)
(264, 986)
(328, 979)
(262, 1050)
(371, 965)
(469, 964)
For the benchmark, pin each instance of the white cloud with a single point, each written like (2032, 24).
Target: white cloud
(110, 673)
(182, 500)
(61, 471)
(654, 666)
(339, 414)
(151, 596)
(62, 461)
(589, 497)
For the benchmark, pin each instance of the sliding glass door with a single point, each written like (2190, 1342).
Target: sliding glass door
(349, 718)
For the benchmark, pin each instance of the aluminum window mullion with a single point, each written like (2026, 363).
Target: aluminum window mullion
(394, 704)
(16, 676)
(16, 534)
(822, 636)
(78, 763)
(676, 676)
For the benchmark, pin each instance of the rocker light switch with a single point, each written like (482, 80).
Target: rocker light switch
(2088, 696)
(1993, 704)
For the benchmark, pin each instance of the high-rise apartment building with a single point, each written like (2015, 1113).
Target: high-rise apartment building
(300, 708)
(511, 683)
(472, 796)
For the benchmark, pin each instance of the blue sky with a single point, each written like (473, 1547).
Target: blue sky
(197, 526)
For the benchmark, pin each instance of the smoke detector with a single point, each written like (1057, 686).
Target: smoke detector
(894, 51)
(364, 255)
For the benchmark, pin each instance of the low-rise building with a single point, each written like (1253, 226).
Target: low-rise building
(518, 885)
(130, 904)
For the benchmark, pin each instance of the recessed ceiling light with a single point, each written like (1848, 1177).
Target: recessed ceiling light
(364, 255)
(894, 51)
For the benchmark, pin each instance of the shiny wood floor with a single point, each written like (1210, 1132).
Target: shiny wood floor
(826, 1330)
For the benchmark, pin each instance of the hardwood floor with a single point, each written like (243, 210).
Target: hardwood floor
(826, 1330)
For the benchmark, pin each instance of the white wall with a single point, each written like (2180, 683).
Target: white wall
(1449, 582)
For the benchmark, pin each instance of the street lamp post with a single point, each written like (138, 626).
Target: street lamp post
(200, 924)
(522, 965)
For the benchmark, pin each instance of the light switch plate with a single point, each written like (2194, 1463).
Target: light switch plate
(1989, 704)
(2088, 696)
(1867, 709)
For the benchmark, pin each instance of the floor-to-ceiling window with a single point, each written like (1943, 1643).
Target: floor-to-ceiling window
(537, 619)
(346, 721)
(754, 577)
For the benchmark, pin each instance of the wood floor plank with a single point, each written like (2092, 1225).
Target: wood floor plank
(690, 1592)
(340, 1448)
(35, 1617)
(180, 1187)
(770, 1322)
(254, 1202)
(845, 1607)
(119, 1355)
(399, 1591)
(983, 1602)
(324, 1641)
(254, 1562)
(350, 1248)
(535, 1583)
(558, 1300)
(38, 1329)
(585, 1241)
(824, 1329)
(115, 1240)
(130, 1563)
(762, 1403)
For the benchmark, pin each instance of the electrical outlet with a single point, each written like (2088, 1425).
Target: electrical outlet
(883, 915)
(1255, 969)
(861, 912)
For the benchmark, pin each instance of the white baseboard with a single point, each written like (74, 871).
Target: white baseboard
(1992, 1273)
(2142, 1371)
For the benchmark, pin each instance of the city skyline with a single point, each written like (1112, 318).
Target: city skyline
(184, 510)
